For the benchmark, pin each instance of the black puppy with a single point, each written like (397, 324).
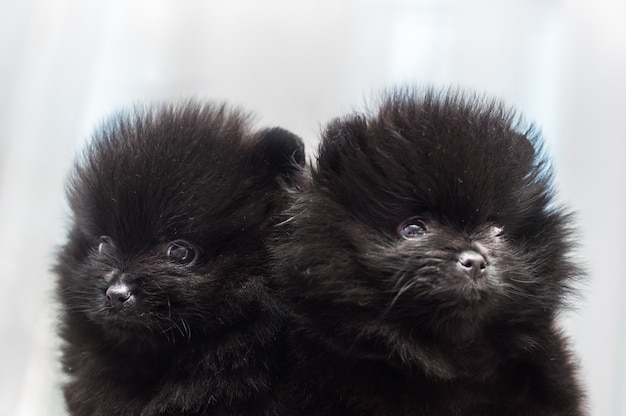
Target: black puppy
(165, 305)
(426, 260)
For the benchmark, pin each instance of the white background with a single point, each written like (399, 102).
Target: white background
(67, 64)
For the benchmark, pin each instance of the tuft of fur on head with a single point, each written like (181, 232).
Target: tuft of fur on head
(427, 237)
(162, 282)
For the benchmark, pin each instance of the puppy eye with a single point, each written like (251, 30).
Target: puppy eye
(413, 228)
(181, 252)
(105, 245)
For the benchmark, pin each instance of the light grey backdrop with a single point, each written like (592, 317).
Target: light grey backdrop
(66, 64)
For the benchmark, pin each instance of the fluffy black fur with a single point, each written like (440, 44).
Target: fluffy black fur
(165, 305)
(426, 260)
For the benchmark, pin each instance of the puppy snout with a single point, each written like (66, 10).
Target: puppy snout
(118, 293)
(473, 263)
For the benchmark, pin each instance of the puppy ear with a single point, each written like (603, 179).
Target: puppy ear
(342, 138)
(524, 148)
(281, 151)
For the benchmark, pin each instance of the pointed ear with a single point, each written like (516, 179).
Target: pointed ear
(281, 151)
(523, 144)
(343, 138)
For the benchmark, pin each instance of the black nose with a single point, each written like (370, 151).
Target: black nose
(473, 263)
(118, 293)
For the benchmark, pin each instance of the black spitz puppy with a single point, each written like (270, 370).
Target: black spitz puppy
(426, 260)
(166, 308)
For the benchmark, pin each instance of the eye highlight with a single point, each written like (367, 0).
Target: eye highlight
(413, 228)
(181, 252)
(105, 245)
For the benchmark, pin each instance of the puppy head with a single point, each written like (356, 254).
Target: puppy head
(170, 208)
(430, 219)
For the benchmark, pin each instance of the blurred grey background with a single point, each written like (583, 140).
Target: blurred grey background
(67, 64)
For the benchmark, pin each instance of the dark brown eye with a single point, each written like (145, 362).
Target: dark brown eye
(105, 245)
(413, 228)
(181, 252)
